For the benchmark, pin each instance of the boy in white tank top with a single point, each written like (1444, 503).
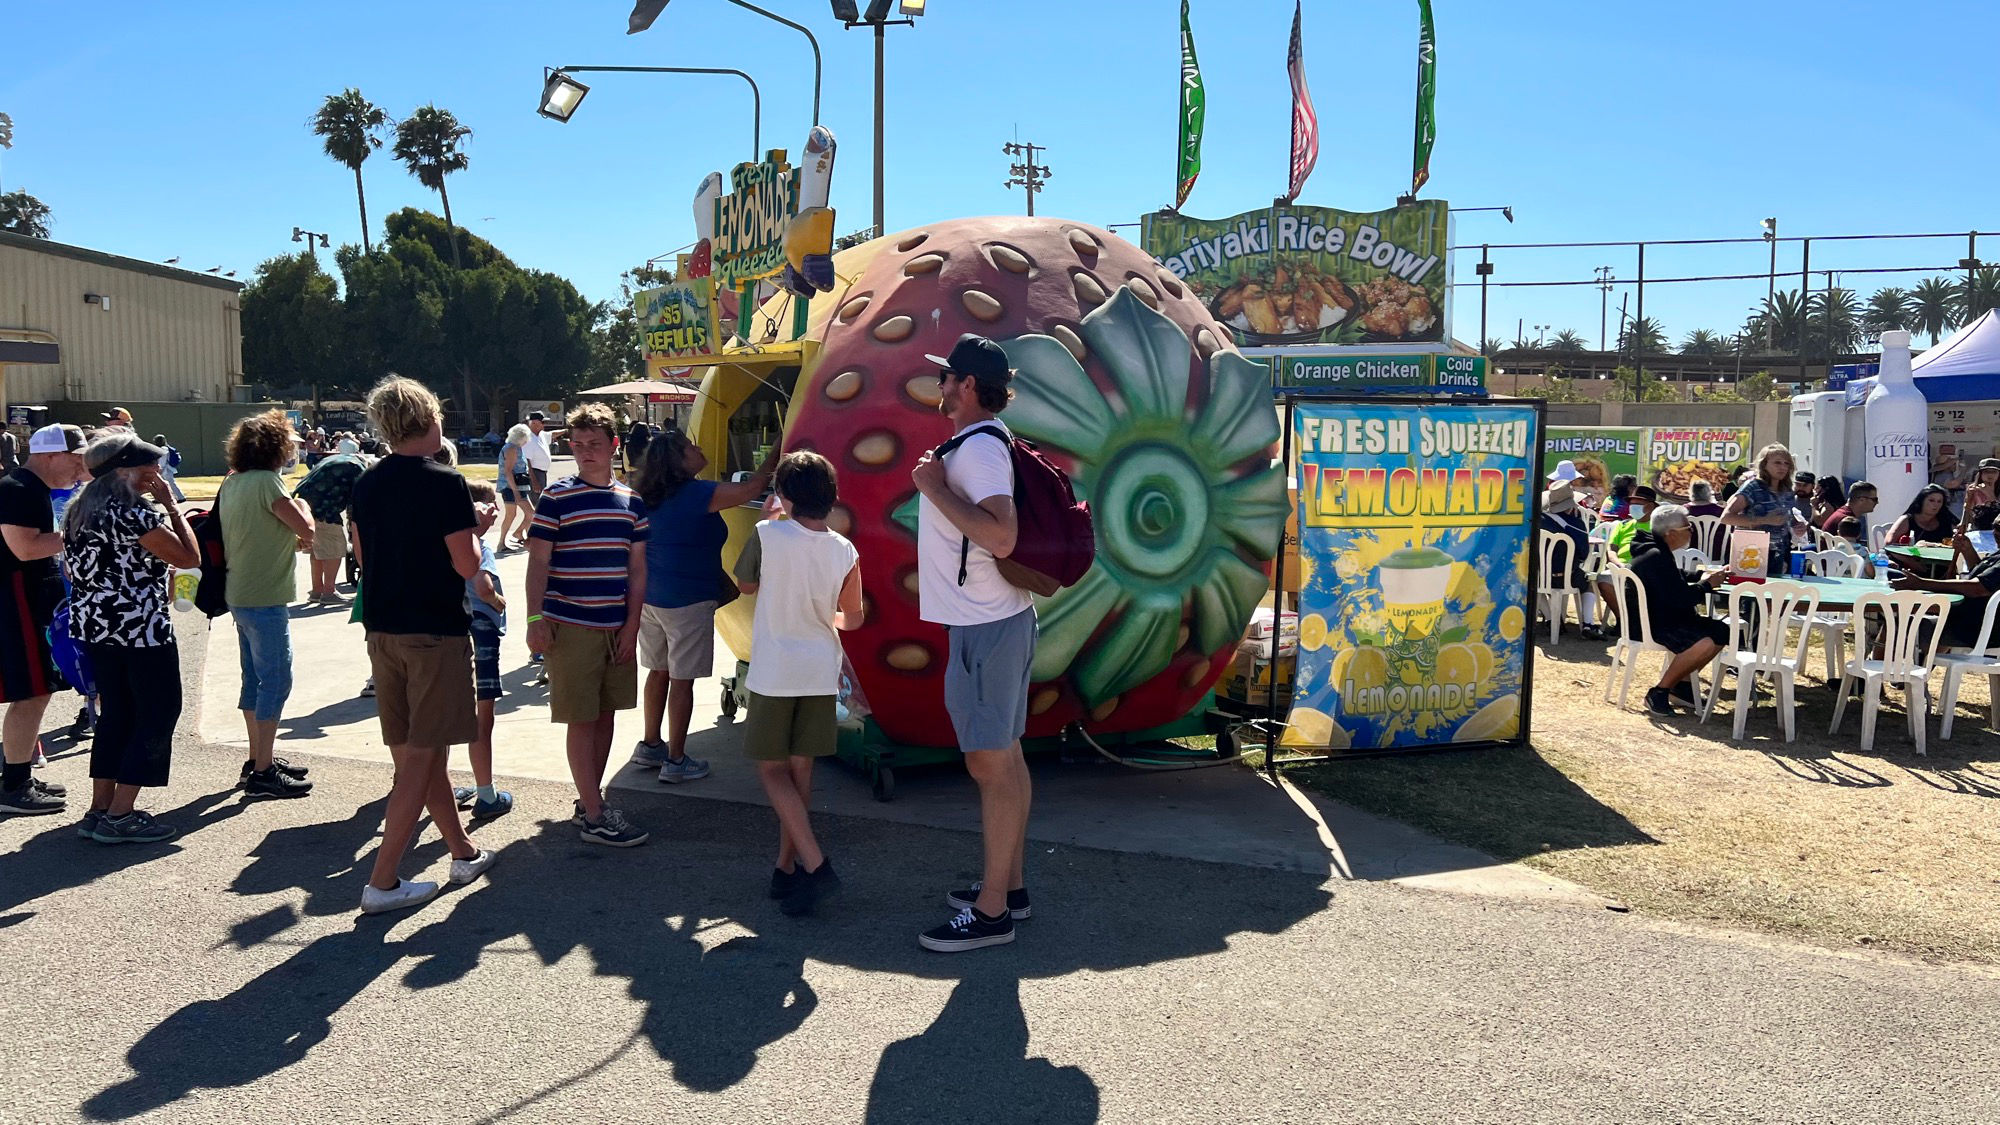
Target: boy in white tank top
(808, 586)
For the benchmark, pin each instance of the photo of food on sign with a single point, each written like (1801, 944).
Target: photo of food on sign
(1414, 586)
(1677, 458)
(1295, 275)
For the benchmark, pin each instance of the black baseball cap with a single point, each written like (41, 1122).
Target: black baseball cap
(978, 357)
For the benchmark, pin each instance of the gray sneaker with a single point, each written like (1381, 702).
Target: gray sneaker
(688, 768)
(134, 827)
(649, 755)
(87, 827)
(612, 830)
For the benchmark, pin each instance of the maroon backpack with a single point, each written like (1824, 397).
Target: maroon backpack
(1054, 542)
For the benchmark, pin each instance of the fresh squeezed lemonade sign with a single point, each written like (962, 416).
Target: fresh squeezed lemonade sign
(1414, 547)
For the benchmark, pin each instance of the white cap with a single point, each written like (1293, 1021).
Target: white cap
(1565, 471)
(55, 438)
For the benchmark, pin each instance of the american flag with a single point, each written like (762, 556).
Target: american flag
(1305, 123)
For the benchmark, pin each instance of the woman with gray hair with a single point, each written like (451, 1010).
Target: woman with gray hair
(513, 483)
(1671, 601)
(121, 552)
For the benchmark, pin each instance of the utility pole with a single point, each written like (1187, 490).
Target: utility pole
(1027, 174)
(1771, 287)
(1604, 280)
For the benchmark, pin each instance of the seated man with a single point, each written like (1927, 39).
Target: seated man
(1559, 505)
(1618, 542)
(1671, 601)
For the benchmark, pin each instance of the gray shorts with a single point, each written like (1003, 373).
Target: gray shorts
(986, 681)
(679, 641)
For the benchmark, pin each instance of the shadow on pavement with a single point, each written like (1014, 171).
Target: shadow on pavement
(720, 972)
(326, 859)
(974, 1057)
(56, 859)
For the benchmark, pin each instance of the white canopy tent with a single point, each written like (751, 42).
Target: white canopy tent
(1965, 367)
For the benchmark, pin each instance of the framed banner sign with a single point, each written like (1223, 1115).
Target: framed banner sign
(1416, 541)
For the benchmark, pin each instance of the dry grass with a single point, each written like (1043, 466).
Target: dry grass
(1813, 839)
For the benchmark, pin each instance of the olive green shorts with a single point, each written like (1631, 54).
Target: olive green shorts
(789, 726)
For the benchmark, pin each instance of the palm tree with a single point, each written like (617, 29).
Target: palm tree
(427, 143)
(1567, 341)
(1780, 321)
(1933, 307)
(349, 123)
(1645, 336)
(1494, 345)
(1978, 293)
(1703, 342)
(1835, 322)
(1887, 310)
(21, 213)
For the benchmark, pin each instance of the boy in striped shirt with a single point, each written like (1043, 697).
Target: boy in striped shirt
(586, 586)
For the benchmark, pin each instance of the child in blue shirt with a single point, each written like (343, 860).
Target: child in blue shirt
(488, 607)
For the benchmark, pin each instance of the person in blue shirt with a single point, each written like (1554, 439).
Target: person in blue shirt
(685, 585)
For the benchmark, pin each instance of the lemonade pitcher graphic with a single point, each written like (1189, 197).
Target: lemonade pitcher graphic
(1414, 581)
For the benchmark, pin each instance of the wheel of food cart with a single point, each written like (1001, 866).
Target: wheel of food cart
(734, 694)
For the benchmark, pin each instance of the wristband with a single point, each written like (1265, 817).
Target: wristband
(534, 617)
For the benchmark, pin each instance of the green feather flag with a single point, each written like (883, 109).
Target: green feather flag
(1420, 161)
(1194, 107)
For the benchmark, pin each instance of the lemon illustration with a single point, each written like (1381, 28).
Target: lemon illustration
(1482, 660)
(1456, 663)
(1312, 632)
(1305, 570)
(1500, 719)
(1312, 727)
(1368, 668)
(1512, 620)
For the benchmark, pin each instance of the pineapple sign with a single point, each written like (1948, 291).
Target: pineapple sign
(1416, 525)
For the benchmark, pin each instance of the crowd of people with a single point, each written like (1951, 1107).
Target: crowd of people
(618, 577)
(1642, 534)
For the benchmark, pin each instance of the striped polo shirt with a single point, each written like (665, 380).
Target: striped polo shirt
(592, 529)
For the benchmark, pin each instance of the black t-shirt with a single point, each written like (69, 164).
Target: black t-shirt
(403, 509)
(25, 502)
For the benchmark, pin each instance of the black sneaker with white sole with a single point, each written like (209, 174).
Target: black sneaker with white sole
(30, 800)
(275, 782)
(612, 830)
(283, 766)
(54, 789)
(968, 929)
(1018, 907)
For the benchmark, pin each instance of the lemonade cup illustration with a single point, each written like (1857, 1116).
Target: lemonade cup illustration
(1414, 581)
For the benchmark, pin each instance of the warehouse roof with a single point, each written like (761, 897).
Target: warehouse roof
(116, 261)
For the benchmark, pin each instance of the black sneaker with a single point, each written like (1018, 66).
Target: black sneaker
(1018, 907)
(1659, 702)
(1684, 691)
(87, 827)
(83, 727)
(134, 827)
(54, 789)
(810, 888)
(612, 830)
(781, 882)
(30, 800)
(274, 782)
(969, 929)
(1593, 632)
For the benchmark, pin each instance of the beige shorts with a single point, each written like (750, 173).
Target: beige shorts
(584, 682)
(423, 688)
(329, 540)
(678, 641)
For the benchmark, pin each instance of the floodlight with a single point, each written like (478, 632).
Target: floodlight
(846, 11)
(878, 10)
(561, 94)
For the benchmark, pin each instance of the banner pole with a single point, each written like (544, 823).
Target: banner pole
(1277, 601)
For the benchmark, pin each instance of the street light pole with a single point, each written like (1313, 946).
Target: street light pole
(644, 12)
(881, 37)
(1604, 279)
(1771, 287)
(1027, 174)
(560, 109)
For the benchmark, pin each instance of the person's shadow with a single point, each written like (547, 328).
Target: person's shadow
(55, 860)
(974, 1057)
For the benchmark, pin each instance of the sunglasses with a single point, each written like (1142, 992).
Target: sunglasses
(946, 375)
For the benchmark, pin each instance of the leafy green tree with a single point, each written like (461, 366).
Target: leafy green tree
(21, 213)
(428, 142)
(1978, 293)
(1758, 386)
(1567, 341)
(350, 125)
(1643, 336)
(1701, 341)
(1934, 307)
(615, 348)
(293, 326)
(1889, 308)
(1559, 388)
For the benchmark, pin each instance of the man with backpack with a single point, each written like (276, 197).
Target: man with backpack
(966, 523)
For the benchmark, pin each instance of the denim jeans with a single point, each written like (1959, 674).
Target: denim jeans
(264, 643)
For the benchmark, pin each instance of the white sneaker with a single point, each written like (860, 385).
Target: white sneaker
(466, 870)
(406, 895)
(368, 689)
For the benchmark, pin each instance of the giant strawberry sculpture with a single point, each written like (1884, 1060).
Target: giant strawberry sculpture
(1125, 379)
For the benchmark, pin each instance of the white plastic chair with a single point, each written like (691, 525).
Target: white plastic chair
(1633, 617)
(1555, 592)
(1831, 626)
(1909, 650)
(1825, 540)
(1690, 559)
(1590, 516)
(1765, 653)
(1980, 661)
(1708, 534)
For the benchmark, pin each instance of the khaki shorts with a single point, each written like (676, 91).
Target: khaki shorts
(789, 726)
(329, 541)
(678, 641)
(423, 688)
(584, 684)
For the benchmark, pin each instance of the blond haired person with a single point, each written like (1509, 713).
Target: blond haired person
(416, 536)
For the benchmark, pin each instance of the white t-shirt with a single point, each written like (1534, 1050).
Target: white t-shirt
(347, 445)
(799, 574)
(537, 451)
(979, 469)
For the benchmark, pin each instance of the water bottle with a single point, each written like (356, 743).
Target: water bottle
(185, 582)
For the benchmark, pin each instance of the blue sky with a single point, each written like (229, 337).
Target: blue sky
(159, 130)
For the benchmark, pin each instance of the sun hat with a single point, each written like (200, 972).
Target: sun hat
(1565, 471)
(1559, 499)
